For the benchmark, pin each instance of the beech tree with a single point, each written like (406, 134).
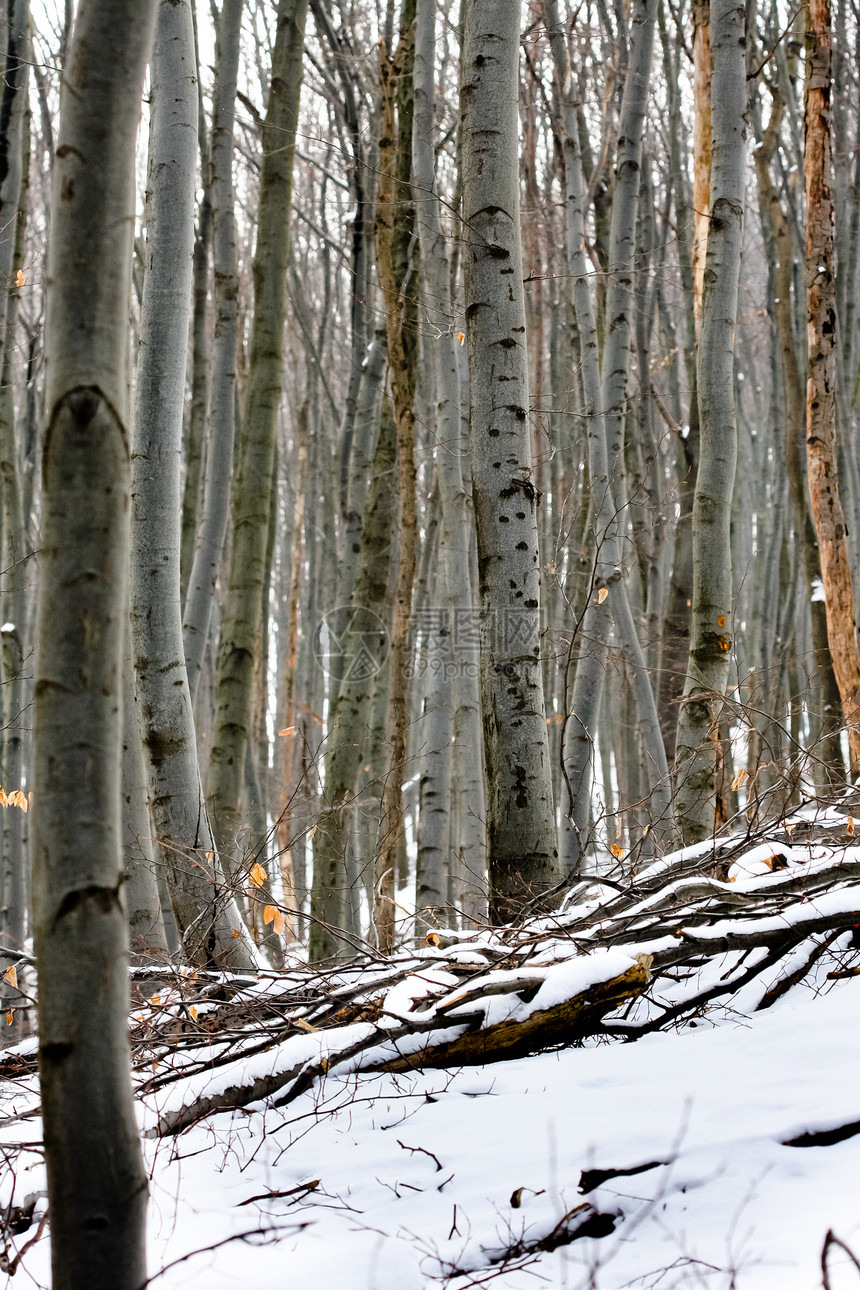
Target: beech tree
(96, 1183)
(521, 836)
(711, 634)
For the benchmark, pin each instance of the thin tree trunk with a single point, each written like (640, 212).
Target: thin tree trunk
(363, 644)
(145, 919)
(164, 712)
(200, 344)
(711, 638)
(214, 514)
(821, 375)
(522, 854)
(97, 1186)
(702, 147)
(253, 494)
(454, 681)
(394, 236)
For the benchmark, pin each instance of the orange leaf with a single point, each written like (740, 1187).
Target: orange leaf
(849, 827)
(461, 336)
(616, 849)
(9, 1015)
(602, 593)
(257, 876)
(4, 801)
(235, 933)
(289, 731)
(11, 975)
(279, 924)
(193, 1012)
(269, 912)
(155, 1000)
(19, 279)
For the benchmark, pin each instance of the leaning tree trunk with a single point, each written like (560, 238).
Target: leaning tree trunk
(711, 639)
(821, 376)
(254, 489)
(522, 855)
(206, 913)
(96, 1183)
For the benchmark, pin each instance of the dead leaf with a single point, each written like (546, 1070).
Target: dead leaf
(258, 876)
(193, 1013)
(11, 975)
(434, 939)
(849, 827)
(155, 1000)
(311, 833)
(517, 1198)
(290, 730)
(461, 336)
(19, 279)
(616, 849)
(9, 1016)
(306, 1026)
(739, 780)
(602, 593)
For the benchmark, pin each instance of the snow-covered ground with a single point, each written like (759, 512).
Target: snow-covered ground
(401, 1182)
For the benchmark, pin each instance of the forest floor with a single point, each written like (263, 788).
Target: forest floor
(718, 1151)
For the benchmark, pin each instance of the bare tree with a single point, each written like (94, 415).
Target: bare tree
(96, 1183)
(521, 843)
(711, 636)
(821, 374)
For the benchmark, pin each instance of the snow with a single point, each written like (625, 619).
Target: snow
(406, 1181)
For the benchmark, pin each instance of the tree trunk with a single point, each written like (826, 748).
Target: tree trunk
(201, 341)
(711, 636)
(454, 707)
(821, 375)
(702, 147)
(253, 494)
(397, 278)
(522, 855)
(214, 513)
(203, 908)
(362, 644)
(96, 1183)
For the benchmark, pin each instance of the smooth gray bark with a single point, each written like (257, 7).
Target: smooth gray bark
(215, 507)
(711, 636)
(97, 1186)
(453, 699)
(608, 594)
(145, 920)
(200, 900)
(239, 647)
(522, 855)
(355, 678)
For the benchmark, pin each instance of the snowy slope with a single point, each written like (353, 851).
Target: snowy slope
(416, 1173)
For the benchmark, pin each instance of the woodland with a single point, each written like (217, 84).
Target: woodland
(430, 502)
